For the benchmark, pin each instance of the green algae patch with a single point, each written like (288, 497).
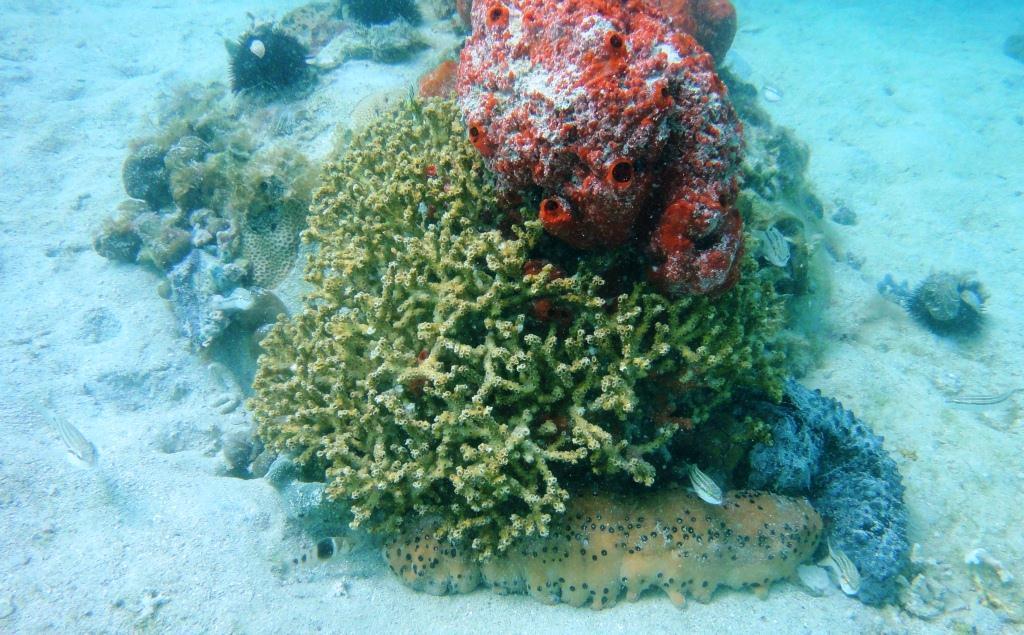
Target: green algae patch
(777, 200)
(214, 177)
(444, 366)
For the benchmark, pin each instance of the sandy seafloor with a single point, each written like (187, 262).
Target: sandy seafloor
(915, 118)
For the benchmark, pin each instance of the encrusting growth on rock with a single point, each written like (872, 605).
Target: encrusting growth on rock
(622, 123)
(604, 546)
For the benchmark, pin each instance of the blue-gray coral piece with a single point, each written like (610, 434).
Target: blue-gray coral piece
(822, 451)
(197, 283)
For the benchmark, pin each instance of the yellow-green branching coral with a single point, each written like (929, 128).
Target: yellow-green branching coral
(423, 379)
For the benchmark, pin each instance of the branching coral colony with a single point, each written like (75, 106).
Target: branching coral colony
(446, 366)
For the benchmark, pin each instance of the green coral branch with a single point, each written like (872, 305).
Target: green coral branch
(419, 379)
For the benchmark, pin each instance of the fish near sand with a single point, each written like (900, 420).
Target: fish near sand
(843, 568)
(77, 445)
(980, 402)
(775, 247)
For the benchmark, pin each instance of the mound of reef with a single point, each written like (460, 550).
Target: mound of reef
(454, 360)
(517, 315)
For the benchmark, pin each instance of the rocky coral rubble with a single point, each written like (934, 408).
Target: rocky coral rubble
(217, 211)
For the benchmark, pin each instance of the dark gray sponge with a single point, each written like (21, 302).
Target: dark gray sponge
(822, 451)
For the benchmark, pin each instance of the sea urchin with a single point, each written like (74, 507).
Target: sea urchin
(948, 304)
(381, 11)
(267, 59)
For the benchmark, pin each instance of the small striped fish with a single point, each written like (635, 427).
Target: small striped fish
(705, 487)
(79, 447)
(775, 247)
(845, 571)
(980, 401)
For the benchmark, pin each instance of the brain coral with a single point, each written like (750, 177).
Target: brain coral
(442, 367)
(270, 200)
(606, 545)
(620, 120)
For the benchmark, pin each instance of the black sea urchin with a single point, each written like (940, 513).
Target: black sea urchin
(267, 59)
(381, 11)
(948, 304)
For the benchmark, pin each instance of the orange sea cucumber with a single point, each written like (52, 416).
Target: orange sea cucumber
(605, 546)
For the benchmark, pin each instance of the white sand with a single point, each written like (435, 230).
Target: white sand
(151, 539)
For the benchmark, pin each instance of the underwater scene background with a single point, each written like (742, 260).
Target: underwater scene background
(514, 316)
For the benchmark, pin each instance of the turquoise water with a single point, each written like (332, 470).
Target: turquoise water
(912, 116)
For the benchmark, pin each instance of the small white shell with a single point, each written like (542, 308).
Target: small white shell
(771, 94)
(813, 579)
(257, 48)
(973, 299)
(705, 488)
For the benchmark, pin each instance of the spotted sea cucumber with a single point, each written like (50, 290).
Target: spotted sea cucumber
(604, 546)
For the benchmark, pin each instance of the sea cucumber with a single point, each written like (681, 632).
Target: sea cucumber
(824, 452)
(606, 545)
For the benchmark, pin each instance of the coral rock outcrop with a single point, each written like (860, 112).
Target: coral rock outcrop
(712, 22)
